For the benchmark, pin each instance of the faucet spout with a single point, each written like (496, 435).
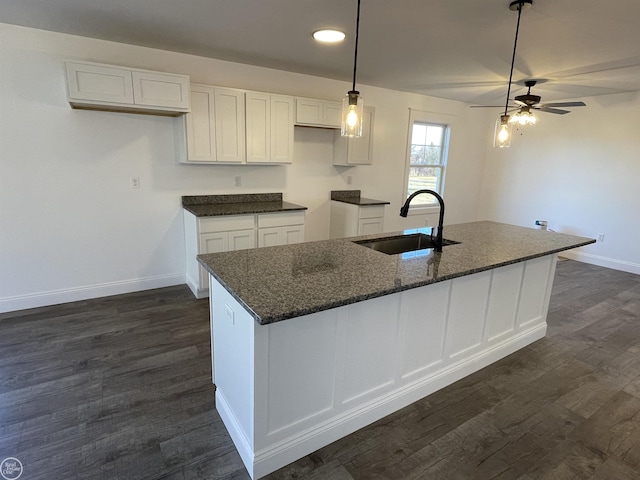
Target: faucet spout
(404, 211)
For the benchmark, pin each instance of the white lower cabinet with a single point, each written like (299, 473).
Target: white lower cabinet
(350, 220)
(235, 232)
(280, 229)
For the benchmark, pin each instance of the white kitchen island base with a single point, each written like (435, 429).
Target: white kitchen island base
(289, 388)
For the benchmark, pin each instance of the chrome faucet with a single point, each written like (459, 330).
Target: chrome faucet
(405, 210)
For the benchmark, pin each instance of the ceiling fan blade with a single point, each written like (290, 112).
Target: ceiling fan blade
(489, 106)
(566, 104)
(544, 108)
(522, 104)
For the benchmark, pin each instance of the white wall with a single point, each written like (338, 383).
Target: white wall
(72, 228)
(578, 171)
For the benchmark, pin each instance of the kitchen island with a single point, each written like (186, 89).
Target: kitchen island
(313, 341)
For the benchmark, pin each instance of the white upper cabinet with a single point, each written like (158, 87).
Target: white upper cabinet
(258, 107)
(201, 132)
(233, 126)
(282, 111)
(215, 126)
(355, 151)
(318, 113)
(229, 125)
(107, 87)
(269, 128)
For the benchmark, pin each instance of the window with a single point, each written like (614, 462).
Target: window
(427, 159)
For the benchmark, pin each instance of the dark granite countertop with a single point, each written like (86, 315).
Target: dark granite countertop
(277, 283)
(353, 197)
(239, 204)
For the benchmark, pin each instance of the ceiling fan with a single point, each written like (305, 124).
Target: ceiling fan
(529, 101)
(533, 101)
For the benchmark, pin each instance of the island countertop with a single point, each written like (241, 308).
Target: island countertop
(278, 283)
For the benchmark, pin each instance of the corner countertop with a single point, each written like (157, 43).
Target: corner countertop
(353, 197)
(238, 204)
(278, 283)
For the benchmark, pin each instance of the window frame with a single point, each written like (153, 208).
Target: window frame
(429, 118)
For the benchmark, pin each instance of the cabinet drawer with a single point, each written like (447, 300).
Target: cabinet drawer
(225, 223)
(374, 211)
(280, 219)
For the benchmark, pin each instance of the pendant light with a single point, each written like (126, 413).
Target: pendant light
(502, 134)
(352, 104)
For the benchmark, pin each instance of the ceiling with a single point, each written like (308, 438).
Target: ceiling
(456, 49)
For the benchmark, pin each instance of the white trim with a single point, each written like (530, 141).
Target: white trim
(54, 297)
(236, 432)
(601, 261)
(296, 446)
(435, 118)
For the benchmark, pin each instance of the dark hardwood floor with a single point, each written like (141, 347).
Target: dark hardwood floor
(120, 388)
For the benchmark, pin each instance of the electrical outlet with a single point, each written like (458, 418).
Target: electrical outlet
(601, 237)
(238, 181)
(135, 182)
(229, 314)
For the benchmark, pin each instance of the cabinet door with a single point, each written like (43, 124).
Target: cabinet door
(292, 234)
(242, 239)
(355, 151)
(214, 242)
(332, 114)
(258, 120)
(369, 226)
(359, 149)
(161, 90)
(201, 131)
(269, 237)
(281, 129)
(229, 125)
(309, 111)
(211, 243)
(99, 84)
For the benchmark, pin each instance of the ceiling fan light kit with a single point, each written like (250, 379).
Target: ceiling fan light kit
(352, 103)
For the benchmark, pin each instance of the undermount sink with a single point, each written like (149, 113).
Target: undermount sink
(402, 243)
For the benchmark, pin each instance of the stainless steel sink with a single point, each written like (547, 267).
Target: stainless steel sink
(402, 243)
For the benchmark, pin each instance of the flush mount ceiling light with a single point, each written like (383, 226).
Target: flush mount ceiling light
(352, 104)
(502, 135)
(329, 36)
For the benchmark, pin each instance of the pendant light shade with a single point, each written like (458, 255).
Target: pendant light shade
(502, 135)
(352, 111)
(352, 103)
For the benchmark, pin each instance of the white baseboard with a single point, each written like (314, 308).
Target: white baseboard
(55, 297)
(602, 261)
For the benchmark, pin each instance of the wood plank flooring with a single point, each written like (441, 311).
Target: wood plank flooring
(119, 388)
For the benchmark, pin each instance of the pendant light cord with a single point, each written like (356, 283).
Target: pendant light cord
(513, 57)
(355, 58)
